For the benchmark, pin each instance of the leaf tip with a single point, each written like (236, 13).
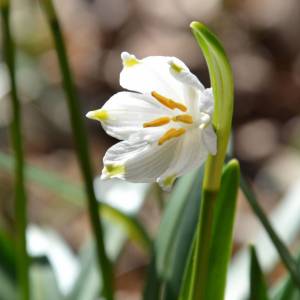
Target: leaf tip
(196, 25)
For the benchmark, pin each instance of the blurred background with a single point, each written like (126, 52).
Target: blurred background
(261, 38)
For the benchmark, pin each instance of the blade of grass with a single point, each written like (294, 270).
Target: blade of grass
(287, 259)
(17, 142)
(81, 143)
(258, 287)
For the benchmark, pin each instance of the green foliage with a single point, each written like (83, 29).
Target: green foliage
(174, 238)
(258, 287)
(221, 244)
(222, 84)
(283, 251)
(220, 250)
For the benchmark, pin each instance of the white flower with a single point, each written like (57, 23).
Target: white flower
(165, 123)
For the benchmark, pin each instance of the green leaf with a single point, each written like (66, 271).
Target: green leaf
(224, 216)
(183, 239)
(287, 259)
(174, 237)
(287, 290)
(220, 250)
(7, 255)
(222, 84)
(258, 287)
(165, 243)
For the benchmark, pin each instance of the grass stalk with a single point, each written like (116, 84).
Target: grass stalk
(81, 143)
(17, 143)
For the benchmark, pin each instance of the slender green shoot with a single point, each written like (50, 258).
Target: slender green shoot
(287, 259)
(222, 84)
(17, 142)
(80, 137)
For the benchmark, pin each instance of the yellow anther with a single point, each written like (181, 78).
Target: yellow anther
(157, 122)
(171, 133)
(168, 102)
(188, 119)
(99, 115)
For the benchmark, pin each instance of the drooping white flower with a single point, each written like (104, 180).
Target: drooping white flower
(164, 121)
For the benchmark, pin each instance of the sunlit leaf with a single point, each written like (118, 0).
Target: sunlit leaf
(220, 250)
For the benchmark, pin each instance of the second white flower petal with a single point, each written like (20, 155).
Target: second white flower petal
(190, 154)
(138, 161)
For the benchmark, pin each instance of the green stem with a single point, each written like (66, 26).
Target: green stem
(80, 137)
(287, 259)
(203, 243)
(20, 194)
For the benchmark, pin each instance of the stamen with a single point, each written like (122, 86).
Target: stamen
(168, 102)
(171, 133)
(157, 122)
(188, 119)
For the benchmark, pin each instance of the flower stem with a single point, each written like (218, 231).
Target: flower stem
(80, 137)
(20, 194)
(203, 243)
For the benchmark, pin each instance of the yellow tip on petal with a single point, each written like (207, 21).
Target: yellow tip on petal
(176, 68)
(111, 170)
(129, 60)
(99, 115)
(168, 182)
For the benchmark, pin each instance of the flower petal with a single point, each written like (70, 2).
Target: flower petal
(206, 101)
(184, 75)
(151, 74)
(190, 153)
(138, 161)
(125, 113)
(210, 139)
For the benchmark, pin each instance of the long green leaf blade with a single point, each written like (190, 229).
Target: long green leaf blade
(287, 259)
(221, 244)
(20, 206)
(222, 84)
(258, 287)
(165, 241)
